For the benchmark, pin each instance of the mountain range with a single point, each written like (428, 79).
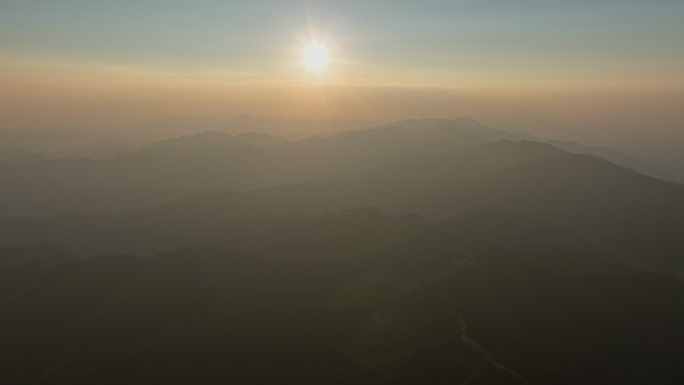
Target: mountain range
(417, 252)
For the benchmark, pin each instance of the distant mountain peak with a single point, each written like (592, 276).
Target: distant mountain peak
(467, 119)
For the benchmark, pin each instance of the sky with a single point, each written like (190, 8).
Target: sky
(589, 64)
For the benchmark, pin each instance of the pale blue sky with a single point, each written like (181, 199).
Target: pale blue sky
(550, 38)
(85, 62)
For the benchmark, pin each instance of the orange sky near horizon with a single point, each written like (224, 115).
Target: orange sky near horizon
(65, 95)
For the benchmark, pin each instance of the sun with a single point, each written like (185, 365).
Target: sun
(316, 57)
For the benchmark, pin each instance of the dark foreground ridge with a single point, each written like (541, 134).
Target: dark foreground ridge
(394, 314)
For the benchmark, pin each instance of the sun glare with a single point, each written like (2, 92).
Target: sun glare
(316, 57)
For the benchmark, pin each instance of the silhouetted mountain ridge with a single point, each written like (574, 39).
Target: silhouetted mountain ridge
(427, 253)
(211, 316)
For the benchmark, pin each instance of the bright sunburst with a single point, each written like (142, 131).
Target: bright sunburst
(316, 57)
